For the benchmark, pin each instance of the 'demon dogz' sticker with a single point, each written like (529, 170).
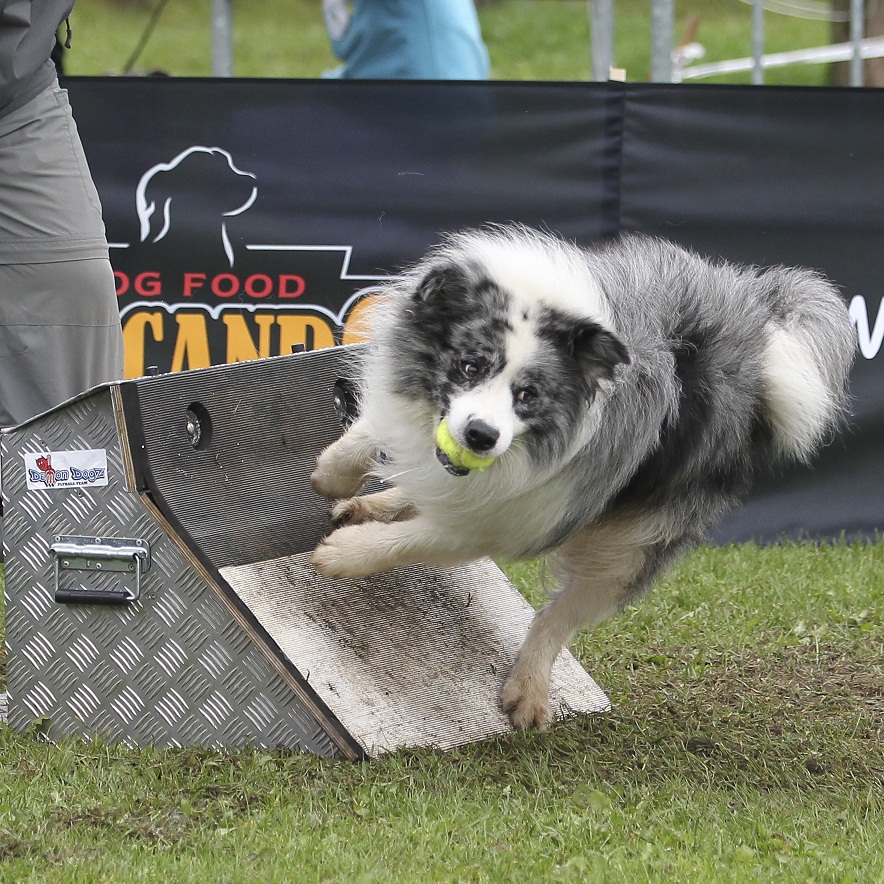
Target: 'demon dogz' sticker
(66, 469)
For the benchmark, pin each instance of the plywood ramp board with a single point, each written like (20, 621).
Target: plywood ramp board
(414, 657)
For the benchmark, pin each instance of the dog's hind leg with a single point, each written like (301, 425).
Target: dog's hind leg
(600, 570)
(341, 470)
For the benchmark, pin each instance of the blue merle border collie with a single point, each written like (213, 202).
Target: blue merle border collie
(629, 394)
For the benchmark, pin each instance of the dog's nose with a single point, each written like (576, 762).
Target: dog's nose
(481, 436)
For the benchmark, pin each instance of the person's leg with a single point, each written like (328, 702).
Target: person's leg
(59, 322)
(59, 319)
(59, 334)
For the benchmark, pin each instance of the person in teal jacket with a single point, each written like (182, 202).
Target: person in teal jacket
(406, 39)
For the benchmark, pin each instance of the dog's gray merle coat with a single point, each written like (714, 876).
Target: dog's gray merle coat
(630, 394)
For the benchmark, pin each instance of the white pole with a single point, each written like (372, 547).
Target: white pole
(662, 39)
(857, 15)
(222, 38)
(757, 42)
(601, 35)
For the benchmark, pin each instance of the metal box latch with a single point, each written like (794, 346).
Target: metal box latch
(94, 557)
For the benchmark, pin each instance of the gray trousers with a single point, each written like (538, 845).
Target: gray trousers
(59, 320)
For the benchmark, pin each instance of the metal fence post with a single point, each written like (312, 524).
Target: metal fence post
(662, 40)
(757, 42)
(857, 16)
(222, 38)
(601, 36)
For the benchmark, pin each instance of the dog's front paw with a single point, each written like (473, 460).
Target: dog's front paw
(382, 506)
(348, 552)
(525, 699)
(351, 511)
(330, 557)
(335, 484)
(370, 548)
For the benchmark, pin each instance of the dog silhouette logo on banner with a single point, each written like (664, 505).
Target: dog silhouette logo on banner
(193, 292)
(160, 185)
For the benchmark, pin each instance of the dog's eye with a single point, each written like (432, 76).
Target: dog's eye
(525, 395)
(470, 369)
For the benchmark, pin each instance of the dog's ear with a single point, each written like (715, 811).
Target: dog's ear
(598, 350)
(446, 281)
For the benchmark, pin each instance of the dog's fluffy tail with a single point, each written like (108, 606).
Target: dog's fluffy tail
(808, 353)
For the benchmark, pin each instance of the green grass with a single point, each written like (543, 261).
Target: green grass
(527, 39)
(746, 742)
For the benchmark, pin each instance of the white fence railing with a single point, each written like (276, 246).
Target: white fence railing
(871, 47)
(672, 65)
(668, 63)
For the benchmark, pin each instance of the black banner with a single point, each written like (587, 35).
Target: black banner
(779, 176)
(248, 217)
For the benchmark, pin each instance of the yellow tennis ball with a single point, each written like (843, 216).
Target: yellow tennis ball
(460, 457)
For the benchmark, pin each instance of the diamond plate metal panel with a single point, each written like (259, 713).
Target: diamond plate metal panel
(175, 667)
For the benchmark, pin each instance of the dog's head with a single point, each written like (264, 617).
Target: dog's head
(507, 336)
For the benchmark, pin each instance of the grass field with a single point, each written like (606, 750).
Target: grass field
(746, 739)
(527, 39)
(746, 742)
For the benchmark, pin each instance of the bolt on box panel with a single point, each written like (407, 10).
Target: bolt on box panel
(157, 536)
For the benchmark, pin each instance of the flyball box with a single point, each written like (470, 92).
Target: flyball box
(157, 537)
